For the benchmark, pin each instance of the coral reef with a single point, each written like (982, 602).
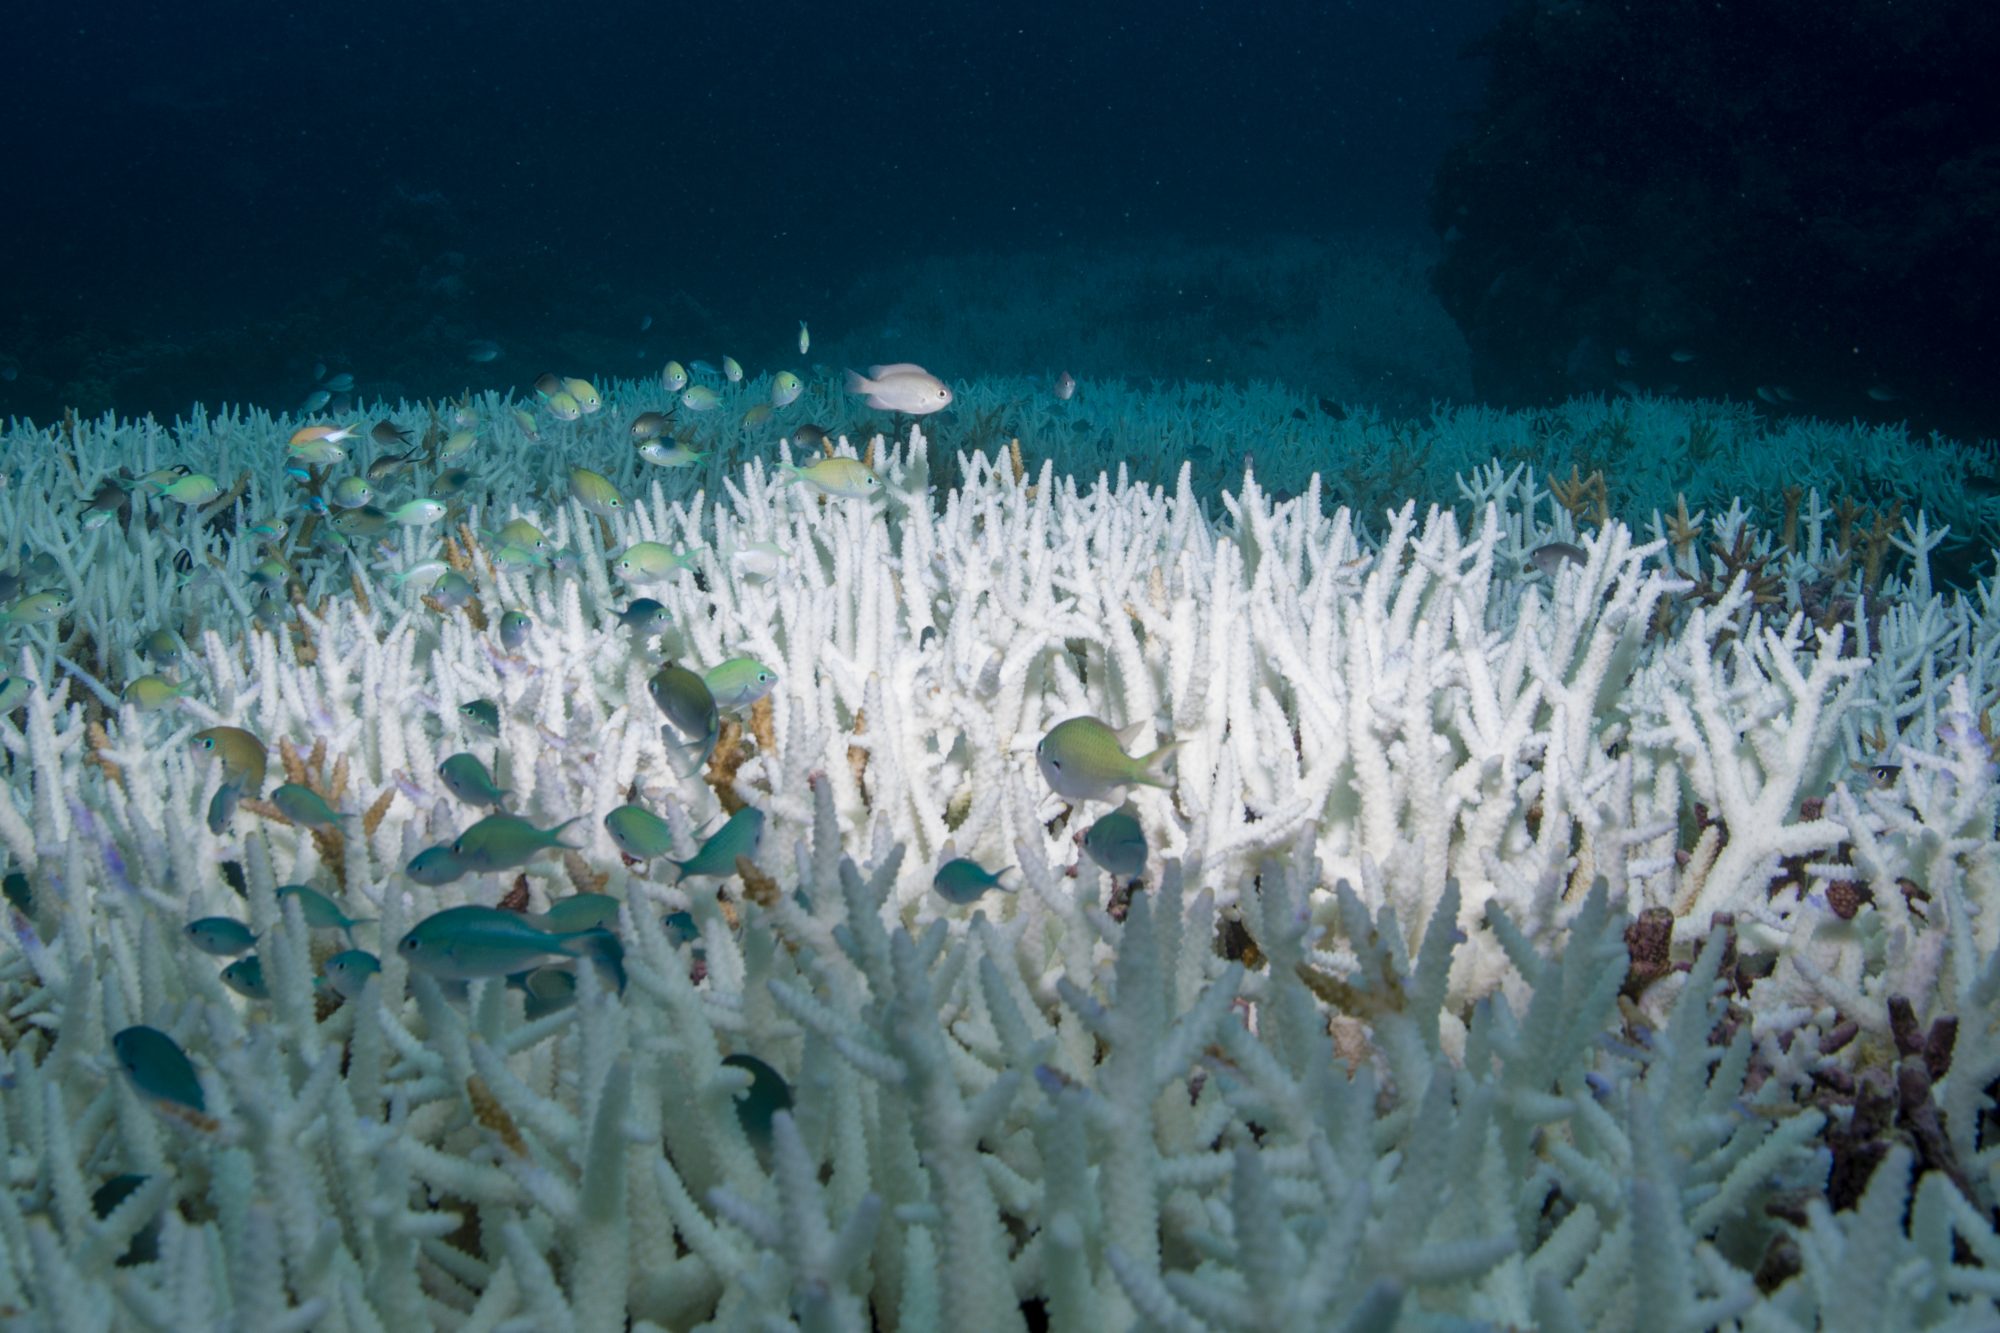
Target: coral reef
(1522, 940)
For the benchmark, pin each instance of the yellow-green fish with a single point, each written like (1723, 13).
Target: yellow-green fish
(731, 371)
(465, 943)
(351, 493)
(323, 452)
(786, 388)
(457, 445)
(502, 842)
(757, 416)
(149, 693)
(1084, 760)
(845, 478)
(670, 453)
(242, 755)
(639, 833)
(417, 513)
(585, 393)
(594, 491)
(564, 407)
(739, 682)
(805, 338)
(270, 573)
(648, 562)
(700, 398)
(194, 489)
(739, 836)
(674, 377)
(519, 532)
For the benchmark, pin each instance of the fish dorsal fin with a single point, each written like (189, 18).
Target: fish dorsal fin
(896, 368)
(1133, 734)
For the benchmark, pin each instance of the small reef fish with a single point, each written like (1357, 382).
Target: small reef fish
(39, 608)
(1551, 556)
(469, 942)
(352, 493)
(760, 560)
(245, 976)
(594, 491)
(329, 434)
(579, 912)
(150, 693)
(417, 513)
(741, 835)
(1082, 759)
(739, 682)
(14, 691)
(434, 866)
(805, 338)
(700, 398)
(670, 453)
(159, 1068)
(760, 1103)
(648, 426)
(644, 617)
(843, 478)
(900, 387)
(514, 629)
(304, 806)
(1065, 387)
(674, 377)
(482, 717)
(961, 880)
(809, 436)
(685, 698)
(362, 521)
(588, 400)
(1117, 843)
(457, 445)
(639, 833)
(466, 778)
(222, 936)
(348, 971)
(786, 388)
(649, 562)
(196, 488)
(732, 371)
(320, 912)
(222, 806)
(502, 842)
(563, 406)
(388, 435)
(242, 755)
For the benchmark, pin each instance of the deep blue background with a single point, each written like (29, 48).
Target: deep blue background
(184, 167)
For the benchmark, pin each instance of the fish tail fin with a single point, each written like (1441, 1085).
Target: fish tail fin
(1152, 767)
(604, 949)
(555, 835)
(857, 382)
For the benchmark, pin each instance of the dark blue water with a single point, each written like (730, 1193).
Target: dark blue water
(220, 190)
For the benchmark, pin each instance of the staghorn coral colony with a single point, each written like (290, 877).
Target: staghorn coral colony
(1571, 901)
